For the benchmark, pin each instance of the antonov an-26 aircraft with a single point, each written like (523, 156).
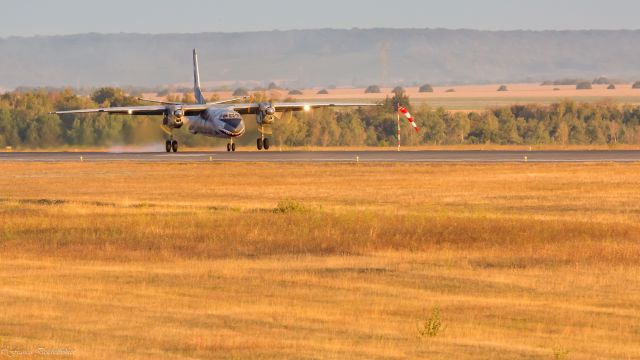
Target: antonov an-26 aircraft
(217, 119)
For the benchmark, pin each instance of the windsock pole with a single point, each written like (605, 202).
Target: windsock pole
(398, 113)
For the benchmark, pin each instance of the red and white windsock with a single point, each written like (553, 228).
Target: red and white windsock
(406, 114)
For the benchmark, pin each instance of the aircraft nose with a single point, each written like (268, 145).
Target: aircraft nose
(235, 127)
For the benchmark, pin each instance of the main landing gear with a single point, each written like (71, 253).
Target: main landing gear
(171, 145)
(263, 143)
(231, 146)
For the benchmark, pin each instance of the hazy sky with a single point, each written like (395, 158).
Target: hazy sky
(54, 17)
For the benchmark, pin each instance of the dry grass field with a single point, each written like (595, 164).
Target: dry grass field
(147, 261)
(468, 97)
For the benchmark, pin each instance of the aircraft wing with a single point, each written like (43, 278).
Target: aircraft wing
(139, 110)
(297, 106)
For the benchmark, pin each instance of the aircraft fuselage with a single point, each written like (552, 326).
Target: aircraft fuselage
(217, 122)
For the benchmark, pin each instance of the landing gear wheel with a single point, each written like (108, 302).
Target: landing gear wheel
(168, 145)
(259, 144)
(174, 145)
(228, 147)
(266, 143)
(233, 147)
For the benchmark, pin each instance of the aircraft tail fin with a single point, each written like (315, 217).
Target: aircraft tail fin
(197, 92)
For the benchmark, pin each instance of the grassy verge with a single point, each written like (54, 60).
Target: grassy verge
(320, 260)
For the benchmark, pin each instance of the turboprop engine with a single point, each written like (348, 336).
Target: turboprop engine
(266, 114)
(173, 117)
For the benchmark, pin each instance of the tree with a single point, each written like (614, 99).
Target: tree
(426, 88)
(584, 85)
(562, 134)
(323, 92)
(457, 128)
(507, 128)
(372, 89)
(636, 85)
(503, 88)
(398, 91)
(486, 128)
(108, 96)
(352, 132)
(295, 92)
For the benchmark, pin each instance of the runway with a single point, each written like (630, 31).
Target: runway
(333, 156)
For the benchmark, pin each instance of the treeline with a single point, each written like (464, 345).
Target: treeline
(25, 123)
(564, 123)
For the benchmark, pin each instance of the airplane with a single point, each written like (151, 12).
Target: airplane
(219, 119)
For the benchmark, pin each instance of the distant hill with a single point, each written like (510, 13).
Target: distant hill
(319, 57)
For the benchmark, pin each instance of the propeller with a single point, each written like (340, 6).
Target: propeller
(266, 114)
(173, 115)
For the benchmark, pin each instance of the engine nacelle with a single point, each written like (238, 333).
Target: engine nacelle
(265, 114)
(173, 117)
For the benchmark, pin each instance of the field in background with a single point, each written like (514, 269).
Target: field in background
(469, 97)
(321, 260)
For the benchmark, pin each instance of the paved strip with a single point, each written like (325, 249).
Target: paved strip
(334, 156)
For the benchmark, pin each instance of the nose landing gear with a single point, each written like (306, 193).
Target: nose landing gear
(171, 144)
(231, 146)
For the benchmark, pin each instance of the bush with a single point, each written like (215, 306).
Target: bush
(546, 83)
(432, 326)
(503, 88)
(426, 88)
(288, 206)
(295, 92)
(583, 86)
(272, 86)
(636, 85)
(556, 89)
(372, 89)
(323, 92)
(611, 87)
(450, 90)
(240, 92)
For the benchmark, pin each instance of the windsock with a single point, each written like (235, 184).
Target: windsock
(406, 113)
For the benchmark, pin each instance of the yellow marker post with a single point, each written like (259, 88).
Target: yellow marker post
(525, 158)
(81, 159)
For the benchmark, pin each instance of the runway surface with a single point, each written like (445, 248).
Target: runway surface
(332, 156)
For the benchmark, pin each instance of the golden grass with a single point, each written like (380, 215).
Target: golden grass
(320, 260)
